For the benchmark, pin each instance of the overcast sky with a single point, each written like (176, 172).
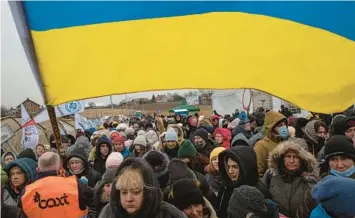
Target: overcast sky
(17, 81)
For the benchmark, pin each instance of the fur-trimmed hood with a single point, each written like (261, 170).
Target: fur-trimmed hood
(275, 157)
(209, 206)
(180, 133)
(158, 158)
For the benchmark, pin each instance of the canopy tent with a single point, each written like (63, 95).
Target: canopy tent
(182, 107)
(302, 52)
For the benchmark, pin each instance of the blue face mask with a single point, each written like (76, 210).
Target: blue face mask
(283, 132)
(346, 173)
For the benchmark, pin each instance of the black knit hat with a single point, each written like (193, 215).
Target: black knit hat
(245, 200)
(28, 152)
(202, 133)
(186, 193)
(339, 145)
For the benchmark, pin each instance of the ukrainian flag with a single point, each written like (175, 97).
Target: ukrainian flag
(303, 52)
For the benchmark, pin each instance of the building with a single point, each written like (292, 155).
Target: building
(161, 99)
(32, 108)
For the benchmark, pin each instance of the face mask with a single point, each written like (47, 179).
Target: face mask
(283, 132)
(346, 173)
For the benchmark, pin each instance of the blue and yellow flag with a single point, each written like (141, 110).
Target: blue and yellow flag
(303, 52)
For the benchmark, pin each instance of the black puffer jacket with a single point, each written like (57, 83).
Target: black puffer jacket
(153, 204)
(248, 175)
(92, 175)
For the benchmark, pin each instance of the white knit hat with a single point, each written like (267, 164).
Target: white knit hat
(140, 140)
(114, 160)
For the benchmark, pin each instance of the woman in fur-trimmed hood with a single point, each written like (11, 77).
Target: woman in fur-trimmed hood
(290, 178)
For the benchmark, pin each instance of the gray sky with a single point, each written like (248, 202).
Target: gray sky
(17, 81)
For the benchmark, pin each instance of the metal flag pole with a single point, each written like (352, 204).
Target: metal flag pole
(111, 104)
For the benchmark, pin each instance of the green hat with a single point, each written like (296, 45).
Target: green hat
(4, 177)
(187, 150)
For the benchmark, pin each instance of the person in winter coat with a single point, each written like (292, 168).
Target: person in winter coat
(152, 139)
(221, 137)
(339, 155)
(7, 157)
(214, 121)
(159, 162)
(214, 177)
(102, 150)
(77, 164)
(178, 130)
(139, 147)
(40, 149)
(83, 142)
(290, 176)
(20, 172)
(276, 131)
(129, 137)
(102, 191)
(243, 135)
(37, 196)
(135, 192)
(248, 201)
(192, 126)
(170, 144)
(343, 125)
(202, 143)
(187, 197)
(195, 161)
(315, 134)
(237, 166)
(335, 196)
(8, 211)
(119, 146)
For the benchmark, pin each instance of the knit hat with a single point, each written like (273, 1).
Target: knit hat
(114, 132)
(244, 200)
(114, 160)
(121, 126)
(339, 145)
(350, 122)
(129, 131)
(186, 193)
(151, 137)
(119, 140)
(215, 152)
(141, 132)
(202, 133)
(140, 140)
(339, 124)
(187, 149)
(335, 194)
(243, 122)
(28, 152)
(171, 135)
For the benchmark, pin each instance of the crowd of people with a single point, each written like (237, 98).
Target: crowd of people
(266, 164)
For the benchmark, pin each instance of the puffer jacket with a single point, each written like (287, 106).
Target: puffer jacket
(290, 189)
(153, 204)
(95, 158)
(269, 142)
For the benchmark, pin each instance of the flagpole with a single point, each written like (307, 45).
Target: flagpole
(111, 104)
(53, 119)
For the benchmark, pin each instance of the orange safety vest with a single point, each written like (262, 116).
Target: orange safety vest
(52, 197)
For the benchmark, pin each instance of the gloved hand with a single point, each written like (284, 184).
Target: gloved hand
(84, 180)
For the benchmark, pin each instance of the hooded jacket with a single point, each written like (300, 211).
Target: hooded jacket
(269, 142)
(289, 189)
(180, 132)
(6, 154)
(107, 178)
(99, 162)
(92, 175)
(153, 204)
(226, 134)
(314, 142)
(28, 166)
(248, 175)
(159, 162)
